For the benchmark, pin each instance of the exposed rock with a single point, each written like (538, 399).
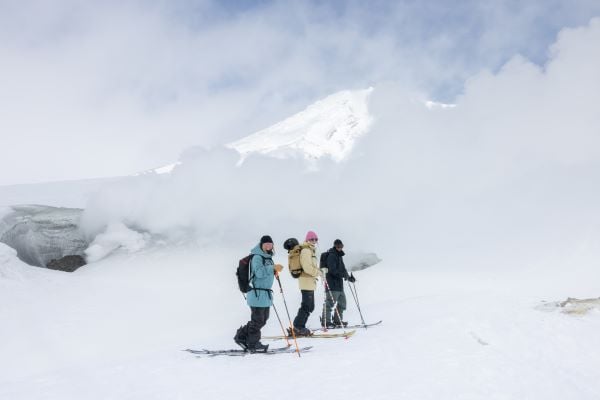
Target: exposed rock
(577, 306)
(41, 234)
(572, 306)
(67, 263)
(359, 261)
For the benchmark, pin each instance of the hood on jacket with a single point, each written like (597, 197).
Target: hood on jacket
(312, 246)
(259, 252)
(334, 251)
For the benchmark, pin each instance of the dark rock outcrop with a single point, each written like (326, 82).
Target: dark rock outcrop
(67, 263)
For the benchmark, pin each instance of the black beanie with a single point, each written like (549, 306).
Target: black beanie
(265, 239)
(338, 242)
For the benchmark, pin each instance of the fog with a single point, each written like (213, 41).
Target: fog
(505, 180)
(103, 89)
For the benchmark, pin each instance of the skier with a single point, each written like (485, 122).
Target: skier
(260, 297)
(336, 273)
(307, 283)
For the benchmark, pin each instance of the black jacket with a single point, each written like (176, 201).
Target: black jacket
(336, 270)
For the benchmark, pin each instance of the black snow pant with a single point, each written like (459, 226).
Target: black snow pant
(306, 307)
(251, 331)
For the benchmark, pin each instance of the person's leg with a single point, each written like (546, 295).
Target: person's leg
(341, 304)
(329, 302)
(337, 312)
(241, 336)
(306, 307)
(258, 320)
(301, 315)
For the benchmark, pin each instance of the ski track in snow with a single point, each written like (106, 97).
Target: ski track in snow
(116, 328)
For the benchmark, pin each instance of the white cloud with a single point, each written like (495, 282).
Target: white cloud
(112, 88)
(506, 178)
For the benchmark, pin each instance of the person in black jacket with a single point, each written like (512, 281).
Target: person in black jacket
(336, 274)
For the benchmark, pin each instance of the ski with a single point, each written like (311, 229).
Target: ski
(322, 329)
(242, 353)
(344, 335)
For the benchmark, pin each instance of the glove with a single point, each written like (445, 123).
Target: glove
(351, 278)
(324, 271)
(278, 267)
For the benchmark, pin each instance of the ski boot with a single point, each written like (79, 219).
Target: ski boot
(327, 324)
(299, 332)
(240, 338)
(258, 347)
(340, 324)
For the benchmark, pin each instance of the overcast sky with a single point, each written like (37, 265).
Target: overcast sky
(93, 89)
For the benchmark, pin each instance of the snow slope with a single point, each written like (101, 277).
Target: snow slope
(116, 328)
(72, 194)
(328, 127)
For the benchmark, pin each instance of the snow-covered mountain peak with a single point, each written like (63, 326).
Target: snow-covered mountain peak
(328, 127)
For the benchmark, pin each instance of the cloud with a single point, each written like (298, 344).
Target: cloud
(113, 88)
(506, 179)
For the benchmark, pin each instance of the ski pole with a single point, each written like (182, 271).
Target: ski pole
(323, 315)
(280, 324)
(288, 313)
(355, 291)
(334, 302)
(355, 296)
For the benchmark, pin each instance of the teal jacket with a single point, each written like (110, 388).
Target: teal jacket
(262, 276)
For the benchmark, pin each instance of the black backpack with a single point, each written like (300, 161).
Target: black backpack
(323, 261)
(243, 274)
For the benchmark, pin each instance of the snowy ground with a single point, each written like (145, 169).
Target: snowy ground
(114, 330)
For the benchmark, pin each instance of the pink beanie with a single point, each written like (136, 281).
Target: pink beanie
(311, 235)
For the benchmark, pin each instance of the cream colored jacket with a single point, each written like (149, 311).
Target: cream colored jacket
(310, 268)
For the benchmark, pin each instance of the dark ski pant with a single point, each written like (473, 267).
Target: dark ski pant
(340, 298)
(306, 307)
(251, 331)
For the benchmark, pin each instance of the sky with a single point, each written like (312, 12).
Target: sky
(100, 89)
(505, 179)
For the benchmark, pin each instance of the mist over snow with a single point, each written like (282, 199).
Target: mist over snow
(505, 179)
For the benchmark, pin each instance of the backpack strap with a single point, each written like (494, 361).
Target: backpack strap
(269, 291)
(250, 274)
(251, 278)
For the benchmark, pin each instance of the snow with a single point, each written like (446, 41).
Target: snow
(116, 236)
(485, 217)
(73, 194)
(437, 105)
(4, 211)
(166, 169)
(15, 273)
(116, 328)
(328, 127)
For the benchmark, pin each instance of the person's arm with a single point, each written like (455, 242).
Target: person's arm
(343, 269)
(307, 264)
(332, 265)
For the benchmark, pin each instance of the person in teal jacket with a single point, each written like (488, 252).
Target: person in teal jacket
(260, 296)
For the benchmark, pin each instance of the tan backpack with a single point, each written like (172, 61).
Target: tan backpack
(294, 260)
